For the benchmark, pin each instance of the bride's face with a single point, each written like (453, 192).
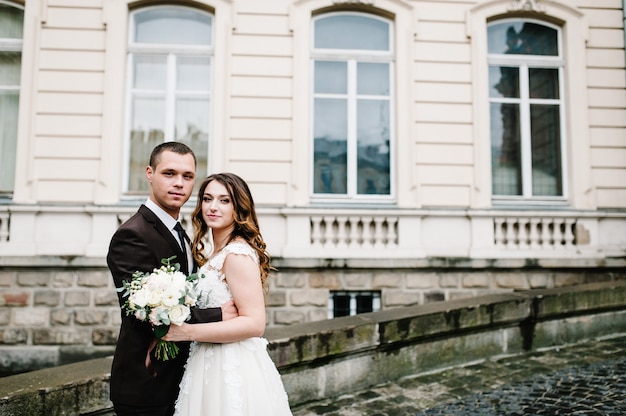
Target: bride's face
(217, 207)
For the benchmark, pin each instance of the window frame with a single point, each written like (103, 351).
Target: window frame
(524, 63)
(374, 295)
(352, 58)
(171, 52)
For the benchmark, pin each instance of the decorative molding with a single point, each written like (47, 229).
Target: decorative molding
(527, 5)
(366, 2)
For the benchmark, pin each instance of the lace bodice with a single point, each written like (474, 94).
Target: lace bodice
(212, 287)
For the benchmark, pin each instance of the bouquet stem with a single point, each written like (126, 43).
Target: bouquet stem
(165, 350)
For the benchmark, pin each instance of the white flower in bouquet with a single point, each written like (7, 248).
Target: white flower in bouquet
(162, 297)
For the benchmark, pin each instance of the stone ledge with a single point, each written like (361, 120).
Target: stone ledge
(328, 358)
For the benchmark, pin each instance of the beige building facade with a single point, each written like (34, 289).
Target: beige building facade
(406, 150)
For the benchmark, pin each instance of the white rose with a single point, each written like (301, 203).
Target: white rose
(170, 297)
(179, 314)
(139, 298)
(155, 297)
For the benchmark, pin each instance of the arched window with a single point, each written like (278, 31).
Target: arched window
(526, 109)
(352, 58)
(169, 78)
(11, 33)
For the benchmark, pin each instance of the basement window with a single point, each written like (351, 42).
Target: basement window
(347, 303)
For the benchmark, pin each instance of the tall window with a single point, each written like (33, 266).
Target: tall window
(352, 106)
(11, 30)
(525, 94)
(170, 61)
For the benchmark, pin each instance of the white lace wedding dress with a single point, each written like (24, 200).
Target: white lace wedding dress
(233, 379)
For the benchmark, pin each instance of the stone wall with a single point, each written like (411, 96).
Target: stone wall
(63, 310)
(328, 358)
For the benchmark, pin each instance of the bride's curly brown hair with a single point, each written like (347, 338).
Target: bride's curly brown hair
(246, 222)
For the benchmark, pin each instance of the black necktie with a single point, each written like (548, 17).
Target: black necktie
(182, 236)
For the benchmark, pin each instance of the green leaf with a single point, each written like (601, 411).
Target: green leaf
(161, 330)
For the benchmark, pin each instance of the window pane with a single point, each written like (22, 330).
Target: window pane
(341, 305)
(192, 128)
(147, 131)
(522, 38)
(331, 77)
(9, 104)
(11, 22)
(351, 32)
(150, 72)
(503, 82)
(364, 303)
(373, 79)
(330, 146)
(505, 149)
(373, 147)
(193, 74)
(173, 25)
(544, 83)
(546, 150)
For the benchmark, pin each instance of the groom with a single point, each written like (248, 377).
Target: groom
(140, 383)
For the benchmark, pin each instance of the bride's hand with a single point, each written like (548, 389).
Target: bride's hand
(178, 333)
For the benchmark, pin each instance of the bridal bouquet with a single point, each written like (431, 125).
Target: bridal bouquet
(162, 297)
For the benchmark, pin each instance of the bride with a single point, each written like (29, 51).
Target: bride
(229, 371)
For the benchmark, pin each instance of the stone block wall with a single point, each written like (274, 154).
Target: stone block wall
(58, 312)
(328, 358)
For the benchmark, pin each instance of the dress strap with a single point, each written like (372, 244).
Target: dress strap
(235, 247)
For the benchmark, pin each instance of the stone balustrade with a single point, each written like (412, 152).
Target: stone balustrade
(327, 358)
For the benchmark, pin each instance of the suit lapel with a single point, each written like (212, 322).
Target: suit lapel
(167, 236)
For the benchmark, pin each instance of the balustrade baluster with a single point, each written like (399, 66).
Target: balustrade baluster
(499, 232)
(535, 242)
(379, 232)
(316, 231)
(342, 234)
(569, 236)
(4, 227)
(511, 241)
(524, 230)
(392, 234)
(354, 239)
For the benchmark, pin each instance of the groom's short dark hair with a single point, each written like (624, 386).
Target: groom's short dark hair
(176, 147)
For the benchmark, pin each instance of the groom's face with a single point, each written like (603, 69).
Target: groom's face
(171, 181)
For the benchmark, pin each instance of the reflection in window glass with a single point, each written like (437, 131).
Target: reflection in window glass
(173, 25)
(505, 149)
(352, 31)
(147, 132)
(11, 22)
(330, 143)
(150, 72)
(11, 30)
(171, 86)
(526, 150)
(192, 113)
(191, 73)
(372, 79)
(373, 147)
(503, 81)
(522, 38)
(352, 106)
(544, 83)
(546, 151)
(331, 77)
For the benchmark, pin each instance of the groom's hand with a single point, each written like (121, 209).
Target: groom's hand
(229, 310)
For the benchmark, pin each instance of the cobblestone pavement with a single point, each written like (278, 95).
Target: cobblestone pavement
(583, 379)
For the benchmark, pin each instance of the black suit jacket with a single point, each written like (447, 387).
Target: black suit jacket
(139, 245)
